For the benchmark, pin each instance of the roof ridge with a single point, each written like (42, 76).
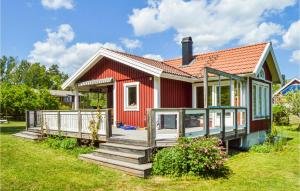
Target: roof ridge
(162, 62)
(134, 55)
(223, 50)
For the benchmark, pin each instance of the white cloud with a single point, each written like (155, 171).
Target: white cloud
(131, 43)
(55, 49)
(262, 33)
(154, 57)
(291, 39)
(295, 57)
(210, 23)
(57, 4)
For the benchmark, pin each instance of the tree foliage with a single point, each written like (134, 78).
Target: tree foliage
(16, 99)
(25, 85)
(293, 100)
(34, 75)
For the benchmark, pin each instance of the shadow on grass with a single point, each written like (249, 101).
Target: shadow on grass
(11, 130)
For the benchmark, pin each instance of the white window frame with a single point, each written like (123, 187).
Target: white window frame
(262, 74)
(127, 107)
(264, 113)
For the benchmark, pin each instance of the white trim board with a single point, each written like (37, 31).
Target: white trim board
(102, 52)
(268, 49)
(126, 106)
(156, 92)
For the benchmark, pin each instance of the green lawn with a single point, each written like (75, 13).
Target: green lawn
(27, 165)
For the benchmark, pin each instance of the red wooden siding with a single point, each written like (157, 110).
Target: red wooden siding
(175, 94)
(106, 68)
(124, 74)
(261, 124)
(136, 118)
(267, 71)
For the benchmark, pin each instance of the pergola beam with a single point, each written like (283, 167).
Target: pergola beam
(221, 73)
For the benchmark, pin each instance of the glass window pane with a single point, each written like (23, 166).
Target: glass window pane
(260, 101)
(225, 95)
(209, 96)
(132, 96)
(254, 99)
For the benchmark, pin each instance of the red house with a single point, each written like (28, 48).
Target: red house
(133, 83)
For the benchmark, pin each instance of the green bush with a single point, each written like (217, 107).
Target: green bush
(200, 157)
(67, 144)
(280, 115)
(262, 148)
(273, 142)
(59, 142)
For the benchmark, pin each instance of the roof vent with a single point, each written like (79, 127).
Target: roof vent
(187, 50)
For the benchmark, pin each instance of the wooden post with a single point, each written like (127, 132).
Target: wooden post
(246, 120)
(34, 118)
(181, 128)
(235, 121)
(27, 116)
(79, 124)
(223, 123)
(58, 121)
(205, 88)
(151, 129)
(108, 130)
(230, 90)
(207, 121)
(219, 93)
(76, 101)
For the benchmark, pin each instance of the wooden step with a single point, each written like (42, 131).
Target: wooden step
(127, 141)
(121, 156)
(34, 129)
(140, 170)
(29, 135)
(133, 149)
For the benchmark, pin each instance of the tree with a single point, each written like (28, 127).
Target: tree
(16, 99)
(293, 104)
(34, 75)
(7, 67)
(56, 77)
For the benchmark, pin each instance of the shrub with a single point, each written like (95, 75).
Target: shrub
(280, 115)
(170, 161)
(201, 157)
(262, 148)
(58, 142)
(274, 142)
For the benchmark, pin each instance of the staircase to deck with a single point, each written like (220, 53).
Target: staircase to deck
(34, 135)
(132, 159)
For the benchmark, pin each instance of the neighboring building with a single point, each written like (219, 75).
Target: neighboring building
(291, 86)
(65, 97)
(136, 83)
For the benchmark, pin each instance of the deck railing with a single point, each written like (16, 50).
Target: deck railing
(172, 123)
(73, 123)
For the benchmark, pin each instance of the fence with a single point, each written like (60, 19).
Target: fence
(74, 123)
(172, 123)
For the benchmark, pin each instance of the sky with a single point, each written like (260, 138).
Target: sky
(68, 32)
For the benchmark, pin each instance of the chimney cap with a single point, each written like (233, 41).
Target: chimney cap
(186, 39)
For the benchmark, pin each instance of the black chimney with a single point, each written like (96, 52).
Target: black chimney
(187, 50)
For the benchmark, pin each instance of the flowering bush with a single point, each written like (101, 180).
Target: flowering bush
(199, 157)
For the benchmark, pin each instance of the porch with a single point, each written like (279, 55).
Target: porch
(165, 126)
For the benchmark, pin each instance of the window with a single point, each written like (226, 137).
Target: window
(260, 100)
(225, 95)
(262, 74)
(131, 96)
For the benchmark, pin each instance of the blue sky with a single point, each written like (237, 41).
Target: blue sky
(68, 32)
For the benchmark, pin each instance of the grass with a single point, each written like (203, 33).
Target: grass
(29, 165)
